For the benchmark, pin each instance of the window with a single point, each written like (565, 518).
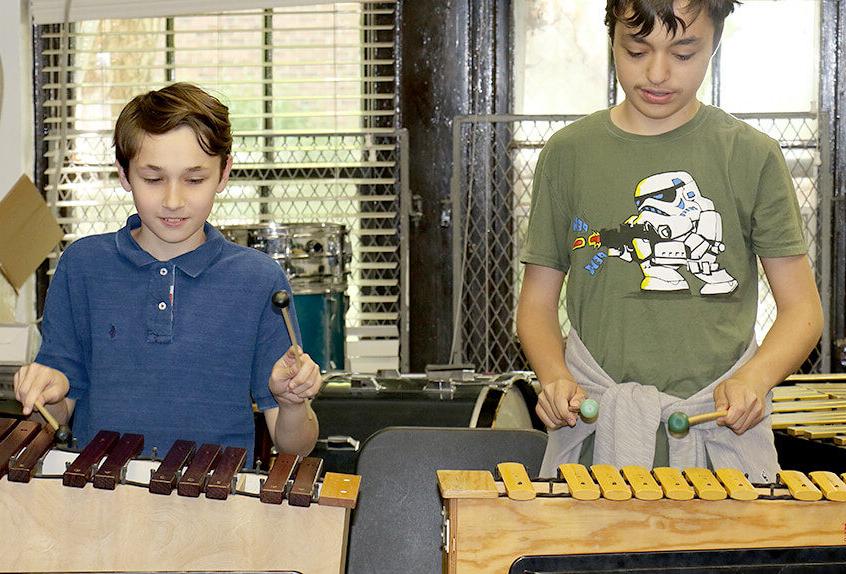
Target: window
(311, 93)
(766, 72)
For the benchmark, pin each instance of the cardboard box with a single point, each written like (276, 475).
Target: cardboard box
(14, 343)
(28, 232)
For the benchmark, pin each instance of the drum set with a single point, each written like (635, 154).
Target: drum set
(315, 258)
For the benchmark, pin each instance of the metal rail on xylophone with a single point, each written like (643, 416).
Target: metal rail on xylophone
(268, 524)
(488, 525)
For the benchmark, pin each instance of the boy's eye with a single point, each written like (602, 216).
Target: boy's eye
(684, 57)
(634, 54)
(152, 180)
(196, 181)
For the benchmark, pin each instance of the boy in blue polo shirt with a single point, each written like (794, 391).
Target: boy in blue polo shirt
(658, 211)
(164, 328)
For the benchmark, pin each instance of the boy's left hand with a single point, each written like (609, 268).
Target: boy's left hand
(291, 385)
(744, 402)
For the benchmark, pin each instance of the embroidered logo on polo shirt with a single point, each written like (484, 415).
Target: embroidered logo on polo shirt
(112, 332)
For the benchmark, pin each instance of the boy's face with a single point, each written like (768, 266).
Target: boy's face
(661, 73)
(173, 184)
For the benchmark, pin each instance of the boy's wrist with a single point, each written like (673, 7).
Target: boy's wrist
(288, 406)
(558, 379)
(757, 380)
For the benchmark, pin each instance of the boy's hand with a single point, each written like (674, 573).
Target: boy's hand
(293, 386)
(744, 402)
(36, 383)
(559, 402)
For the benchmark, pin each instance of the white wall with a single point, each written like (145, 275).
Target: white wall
(16, 132)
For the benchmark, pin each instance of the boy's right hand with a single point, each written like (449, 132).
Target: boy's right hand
(36, 383)
(559, 402)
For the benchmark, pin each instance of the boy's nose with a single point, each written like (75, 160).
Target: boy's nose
(173, 198)
(658, 70)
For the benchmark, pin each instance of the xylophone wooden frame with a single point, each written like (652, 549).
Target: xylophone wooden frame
(485, 535)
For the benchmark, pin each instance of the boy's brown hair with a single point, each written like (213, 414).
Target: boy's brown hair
(641, 14)
(160, 111)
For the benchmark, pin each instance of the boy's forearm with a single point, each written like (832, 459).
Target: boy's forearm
(542, 341)
(791, 338)
(296, 429)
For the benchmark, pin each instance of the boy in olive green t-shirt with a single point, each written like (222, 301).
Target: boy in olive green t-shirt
(658, 210)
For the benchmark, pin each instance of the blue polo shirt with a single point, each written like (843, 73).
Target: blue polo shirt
(173, 349)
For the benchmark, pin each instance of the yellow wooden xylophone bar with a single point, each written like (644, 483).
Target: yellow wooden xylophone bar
(489, 524)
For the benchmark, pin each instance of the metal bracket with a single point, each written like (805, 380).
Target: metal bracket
(340, 442)
(446, 212)
(445, 531)
(415, 215)
(840, 351)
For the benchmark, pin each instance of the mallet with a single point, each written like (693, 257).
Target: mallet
(680, 423)
(282, 300)
(62, 431)
(589, 409)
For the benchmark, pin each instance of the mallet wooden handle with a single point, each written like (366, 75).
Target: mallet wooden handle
(679, 423)
(292, 335)
(705, 417)
(47, 416)
(282, 300)
(62, 432)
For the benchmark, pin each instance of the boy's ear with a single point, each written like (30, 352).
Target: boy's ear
(124, 180)
(224, 176)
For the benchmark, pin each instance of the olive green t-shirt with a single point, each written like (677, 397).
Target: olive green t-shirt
(659, 236)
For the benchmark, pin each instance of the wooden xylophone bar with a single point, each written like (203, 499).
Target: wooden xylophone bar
(119, 527)
(490, 524)
(809, 421)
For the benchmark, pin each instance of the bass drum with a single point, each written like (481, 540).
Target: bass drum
(508, 406)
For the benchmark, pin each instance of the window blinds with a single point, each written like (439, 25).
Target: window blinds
(55, 11)
(311, 93)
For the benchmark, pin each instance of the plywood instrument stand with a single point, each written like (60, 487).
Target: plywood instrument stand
(133, 522)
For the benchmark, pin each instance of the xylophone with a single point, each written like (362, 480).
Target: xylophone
(151, 515)
(809, 421)
(491, 524)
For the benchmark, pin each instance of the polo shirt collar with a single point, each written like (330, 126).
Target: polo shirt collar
(192, 263)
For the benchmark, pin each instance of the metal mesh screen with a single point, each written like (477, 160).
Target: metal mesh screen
(494, 159)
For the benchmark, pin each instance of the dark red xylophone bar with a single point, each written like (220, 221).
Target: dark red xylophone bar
(20, 436)
(6, 426)
(163, 480)
(231, 462)
(193, 481)
(303, 488)
(273, 489)
(128, 447)
(82, 468)
(22, 468)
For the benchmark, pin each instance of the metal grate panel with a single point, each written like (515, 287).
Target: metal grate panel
(311, 93)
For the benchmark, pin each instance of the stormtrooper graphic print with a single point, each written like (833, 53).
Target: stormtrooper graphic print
(675, 231)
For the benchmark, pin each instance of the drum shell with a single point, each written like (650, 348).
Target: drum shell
(318, 256)
(322, 326)
(270, 238)
(315, 256)
(508, 407)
